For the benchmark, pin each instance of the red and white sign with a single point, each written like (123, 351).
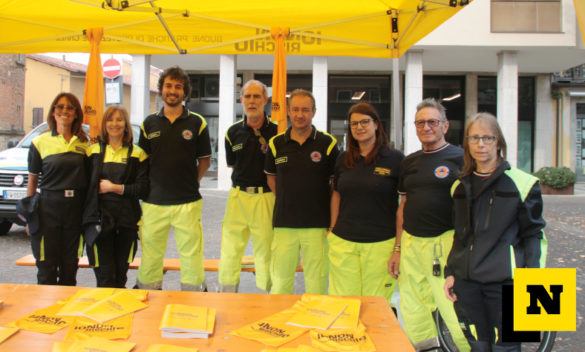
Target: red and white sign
(112, 68)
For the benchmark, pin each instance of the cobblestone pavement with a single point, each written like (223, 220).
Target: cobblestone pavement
(565, 231)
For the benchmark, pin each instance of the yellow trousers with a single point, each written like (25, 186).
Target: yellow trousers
(246, 215)
(285, 258)
(421, 293)
(360, 269)
(154, 231)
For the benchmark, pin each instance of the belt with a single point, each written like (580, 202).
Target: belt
(252, 189)
(66, 193)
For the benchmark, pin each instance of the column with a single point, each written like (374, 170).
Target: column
(508, 102)
(544, 125)
(140, 90)
(320, 72)
(413, 89)
(227, 115)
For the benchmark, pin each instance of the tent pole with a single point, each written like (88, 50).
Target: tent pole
(396, 105)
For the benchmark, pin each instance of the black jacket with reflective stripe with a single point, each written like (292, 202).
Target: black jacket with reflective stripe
(501, 229)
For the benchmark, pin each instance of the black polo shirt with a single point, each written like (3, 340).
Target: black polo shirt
(303, 173)
(369, 197)
(173, 151)
(62, 165)
(245, 152)
(426, 179)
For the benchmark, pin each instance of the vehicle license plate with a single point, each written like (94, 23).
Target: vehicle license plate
(14, 195)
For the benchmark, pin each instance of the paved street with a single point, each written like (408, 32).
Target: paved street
(565, 231)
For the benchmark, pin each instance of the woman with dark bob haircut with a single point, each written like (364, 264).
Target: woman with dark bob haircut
(363, 209)
(119, 177)
(498, 227)
(59, 157)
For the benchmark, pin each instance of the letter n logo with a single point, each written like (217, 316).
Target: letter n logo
(545, 299)
(538, 293)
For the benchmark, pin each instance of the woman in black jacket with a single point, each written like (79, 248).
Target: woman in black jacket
(498, 227)
(119, 177)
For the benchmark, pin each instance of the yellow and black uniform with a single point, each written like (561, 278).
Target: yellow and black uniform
(114, 248)
(62, 167)
(301, 210)
(173, 198)
(249, 207)
(361, 242)
(427, 236)
(498, 227)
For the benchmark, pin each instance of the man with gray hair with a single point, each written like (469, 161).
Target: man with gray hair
(250, 202)
(424, 216)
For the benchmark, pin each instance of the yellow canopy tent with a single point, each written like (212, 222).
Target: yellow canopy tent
(367, 28)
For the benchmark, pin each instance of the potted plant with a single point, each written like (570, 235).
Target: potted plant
(556, 180)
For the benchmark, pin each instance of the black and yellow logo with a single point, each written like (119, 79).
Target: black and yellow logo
(545, 299)
(382, 171)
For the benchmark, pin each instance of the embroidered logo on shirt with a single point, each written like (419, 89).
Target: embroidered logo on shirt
(382, 171)
(264, 148)
(237, 147)
(153, 135)
(187, 135)
(316, 156)
(441, 171)
(281, 160)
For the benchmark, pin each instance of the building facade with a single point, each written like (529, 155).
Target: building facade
(12, 71)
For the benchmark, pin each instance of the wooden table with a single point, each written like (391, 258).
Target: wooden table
(234, 310)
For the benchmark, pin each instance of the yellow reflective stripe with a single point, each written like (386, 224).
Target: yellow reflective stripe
(271, 144)
(203, 122)
(523, 181)
(93, 149)
(143, 131)
(130, 255)
(95, 254)
(139, 153)
(42, 249)
(48, 145)
(473, 330)
(512, 261)
(543, 250)
(454, 186)
(80, 248)
(496, 335)
(333, 142)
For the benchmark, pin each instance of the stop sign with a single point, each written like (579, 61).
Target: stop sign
(112, 68)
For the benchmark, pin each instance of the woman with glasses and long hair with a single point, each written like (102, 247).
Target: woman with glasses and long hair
(58, 157)
(119, 177)
(498, 227)
(363, 209)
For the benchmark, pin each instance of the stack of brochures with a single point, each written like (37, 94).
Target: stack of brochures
(324, 312)
(101, 305)
(187, 322)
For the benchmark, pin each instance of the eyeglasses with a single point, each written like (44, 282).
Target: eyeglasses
(61, 107)
(432, 123)
(487, 140)
(260, 137)
(363, 123)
